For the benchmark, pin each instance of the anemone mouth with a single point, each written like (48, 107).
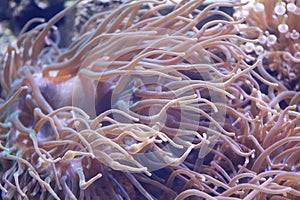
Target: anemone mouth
(150, 101)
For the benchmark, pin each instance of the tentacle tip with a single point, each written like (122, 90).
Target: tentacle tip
(294, 106)
(149, 174)
(25, 87)
(36, 109)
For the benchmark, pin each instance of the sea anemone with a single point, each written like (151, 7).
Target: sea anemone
(277, 25)
(147, 102)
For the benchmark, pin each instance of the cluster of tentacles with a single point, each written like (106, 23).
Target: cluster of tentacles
(148, 102)
(276, 23)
